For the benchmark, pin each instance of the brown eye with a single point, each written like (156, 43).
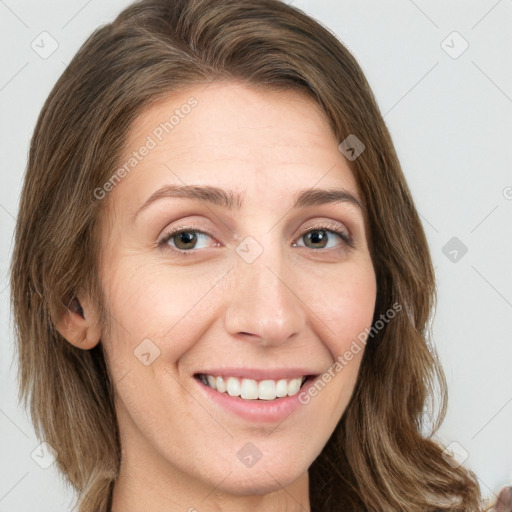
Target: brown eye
(183, 240)
(320, 237)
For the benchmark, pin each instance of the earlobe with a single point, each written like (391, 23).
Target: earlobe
(79, 324)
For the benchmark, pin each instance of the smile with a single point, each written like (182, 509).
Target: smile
(250, 389)
(258, 409)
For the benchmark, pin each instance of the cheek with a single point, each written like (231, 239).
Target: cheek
(346, 309)
(346, 305)
(156, 303)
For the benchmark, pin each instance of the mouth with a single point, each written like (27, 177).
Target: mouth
(252, 389)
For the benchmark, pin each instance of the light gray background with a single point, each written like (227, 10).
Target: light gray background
(451, 122)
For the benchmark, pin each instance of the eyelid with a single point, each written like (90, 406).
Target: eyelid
(326, 224)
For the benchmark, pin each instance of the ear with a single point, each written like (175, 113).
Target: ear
(79, 324)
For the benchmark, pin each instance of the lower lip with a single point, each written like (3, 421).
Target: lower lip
(265, 411)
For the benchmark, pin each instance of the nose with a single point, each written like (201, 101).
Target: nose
(264, 304)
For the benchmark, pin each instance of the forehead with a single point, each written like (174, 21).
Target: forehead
(257, 141)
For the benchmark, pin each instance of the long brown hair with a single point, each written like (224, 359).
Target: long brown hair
(377, 458)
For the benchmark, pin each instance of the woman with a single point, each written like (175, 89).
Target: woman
(226, 295)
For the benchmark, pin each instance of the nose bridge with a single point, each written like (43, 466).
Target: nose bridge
(263, 303)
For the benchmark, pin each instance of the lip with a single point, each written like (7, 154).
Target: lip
(262, 411)
(259, 374)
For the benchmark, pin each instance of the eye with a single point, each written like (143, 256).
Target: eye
(184, 240)
(319, 237)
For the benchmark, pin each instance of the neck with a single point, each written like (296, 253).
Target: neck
(137, 489)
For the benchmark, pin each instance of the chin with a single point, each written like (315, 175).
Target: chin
(259, 483)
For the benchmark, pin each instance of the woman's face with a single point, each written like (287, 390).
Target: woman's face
(262, 290)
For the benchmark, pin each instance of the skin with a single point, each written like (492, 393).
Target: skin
(297, 304)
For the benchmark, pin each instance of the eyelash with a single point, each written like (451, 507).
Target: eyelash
(163, 242)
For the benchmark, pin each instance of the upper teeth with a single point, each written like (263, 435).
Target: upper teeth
(251, 389)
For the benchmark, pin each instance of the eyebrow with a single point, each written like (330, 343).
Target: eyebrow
(233, 200)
